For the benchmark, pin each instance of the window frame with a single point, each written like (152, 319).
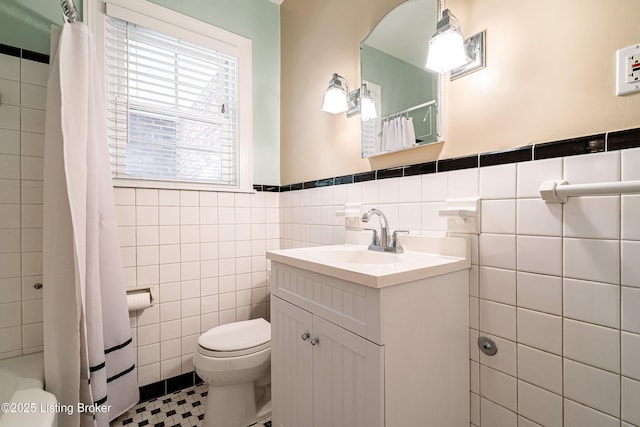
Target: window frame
(165, 20)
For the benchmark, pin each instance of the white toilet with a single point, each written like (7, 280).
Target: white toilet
(235, 360)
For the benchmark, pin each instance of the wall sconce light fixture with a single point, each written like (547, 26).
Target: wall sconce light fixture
(335, 97)
(367, 104)
(448, 51)
(338, 99)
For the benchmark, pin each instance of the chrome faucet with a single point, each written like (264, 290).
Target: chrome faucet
(380, 242)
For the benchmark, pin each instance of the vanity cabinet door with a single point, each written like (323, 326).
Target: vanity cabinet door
(347, 378)
(291, 359)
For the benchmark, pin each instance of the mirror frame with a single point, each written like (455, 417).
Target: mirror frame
(440, 93)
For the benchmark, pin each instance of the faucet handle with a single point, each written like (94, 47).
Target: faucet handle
(394, 237)
(375, 240)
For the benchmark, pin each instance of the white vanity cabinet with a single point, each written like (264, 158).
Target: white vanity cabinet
(325, 374)
(394, 356)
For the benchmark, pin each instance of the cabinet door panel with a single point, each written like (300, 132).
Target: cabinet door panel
(347, 378)
(291, 381)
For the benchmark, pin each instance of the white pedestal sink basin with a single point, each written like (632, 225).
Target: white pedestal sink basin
(423, 256)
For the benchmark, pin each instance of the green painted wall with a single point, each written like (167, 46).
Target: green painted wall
(26, 24)
(411, 86)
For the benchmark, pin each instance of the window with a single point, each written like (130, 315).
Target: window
(176, 101)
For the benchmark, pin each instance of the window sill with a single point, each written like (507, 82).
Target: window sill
(168, 185)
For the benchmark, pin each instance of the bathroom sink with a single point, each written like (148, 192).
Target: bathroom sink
(355, 255)
(423, 256)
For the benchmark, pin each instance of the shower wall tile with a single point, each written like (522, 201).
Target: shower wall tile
(498, 250)
(10, 91)
(539, 405)
(9, 141)
(503, 361)
(536, 254)
(578, 415)
(630, 399)
(495, 415)
(592, 302)
(584, 342)
(498, 387)
(592, 387)
(498, 182)
(33, 72)
(588, 168)
(22, 84)
(592, 217)
(535, 217)
(9, 67)
(532, 174)
(539, 292)
(630, 309)
(499, 216)
(540, 330)
(498, 285)
(630, 355)
(540, 368)
(591, 259)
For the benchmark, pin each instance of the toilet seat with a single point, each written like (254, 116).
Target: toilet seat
(236, 339)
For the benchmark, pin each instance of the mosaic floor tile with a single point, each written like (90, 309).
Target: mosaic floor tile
(184, 408)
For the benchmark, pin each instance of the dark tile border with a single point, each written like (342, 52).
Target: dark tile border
(623, 139)
(364, 176)
(618, 140)
(163, 387)
(390, 173)
(35, 56)
(521, 154)
(24, 53)
(10, 50)
(569, 147)
(420, 169)
(467, 162)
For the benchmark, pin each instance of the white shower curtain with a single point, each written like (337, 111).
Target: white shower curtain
(397, 133)
(88, 351)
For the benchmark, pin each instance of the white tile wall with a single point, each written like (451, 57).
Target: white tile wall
(553, 285)
(205, 254)
(23, 91)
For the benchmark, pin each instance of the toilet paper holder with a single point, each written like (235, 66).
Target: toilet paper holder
(137, 291)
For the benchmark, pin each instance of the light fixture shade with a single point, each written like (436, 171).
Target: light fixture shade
(335, 100)
(367, 109)
(446, 51)
(446, 47)
(335, 97)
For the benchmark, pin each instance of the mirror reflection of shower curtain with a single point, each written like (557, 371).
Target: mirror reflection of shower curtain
(88, 350)
(397, 133)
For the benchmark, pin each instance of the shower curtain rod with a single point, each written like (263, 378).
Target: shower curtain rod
(69, 10)
(407, 110)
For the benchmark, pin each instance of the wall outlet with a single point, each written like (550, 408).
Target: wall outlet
(628, 70)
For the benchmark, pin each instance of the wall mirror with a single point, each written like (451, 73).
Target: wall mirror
(407, 96)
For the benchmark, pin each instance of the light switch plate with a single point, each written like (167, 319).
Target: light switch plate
(627, 75)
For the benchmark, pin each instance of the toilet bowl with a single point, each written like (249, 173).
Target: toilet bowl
(235, 360)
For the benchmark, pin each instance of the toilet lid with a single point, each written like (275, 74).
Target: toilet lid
(236, 336)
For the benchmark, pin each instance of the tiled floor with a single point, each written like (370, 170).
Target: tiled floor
(183, 408)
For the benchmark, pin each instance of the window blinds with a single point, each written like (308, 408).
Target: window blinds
(172, 107)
